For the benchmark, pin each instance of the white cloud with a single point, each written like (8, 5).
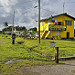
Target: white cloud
(8, 4)
(4, 15)
(26, 14)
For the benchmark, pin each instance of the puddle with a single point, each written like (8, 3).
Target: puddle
(8, 62)
(12, 61)
(0, 62)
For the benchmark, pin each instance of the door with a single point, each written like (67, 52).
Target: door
(68, 35)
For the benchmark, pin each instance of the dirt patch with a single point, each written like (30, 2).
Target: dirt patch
(65, 68)
(26, 72)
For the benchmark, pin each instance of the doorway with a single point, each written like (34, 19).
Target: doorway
(68, 35)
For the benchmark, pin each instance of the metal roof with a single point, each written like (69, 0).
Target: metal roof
(59, 15)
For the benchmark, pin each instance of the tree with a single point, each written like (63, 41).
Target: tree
(20, 28)
(9, 28)
(5, 24)
(33, 29)
(25, 32)
(0, 32)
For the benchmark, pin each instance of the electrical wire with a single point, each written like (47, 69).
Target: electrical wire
(69, 2)
(46, 9)
(43, 9)
(28, 1)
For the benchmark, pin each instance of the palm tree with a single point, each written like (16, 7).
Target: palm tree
(5, 24)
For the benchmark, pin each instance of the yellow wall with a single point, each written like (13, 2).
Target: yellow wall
(61, 18)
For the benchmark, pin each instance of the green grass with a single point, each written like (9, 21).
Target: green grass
(30, 52)
(14, 69)
(73, 71)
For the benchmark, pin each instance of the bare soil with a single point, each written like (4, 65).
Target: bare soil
(65, 68)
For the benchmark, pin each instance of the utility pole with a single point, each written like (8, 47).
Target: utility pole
(63, 5)
(39, 19)
(13, 22)
(13, 35)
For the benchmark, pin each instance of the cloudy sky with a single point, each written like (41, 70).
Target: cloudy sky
(25, 13)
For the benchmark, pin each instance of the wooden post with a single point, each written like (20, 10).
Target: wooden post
(56, 54)
(39, 19)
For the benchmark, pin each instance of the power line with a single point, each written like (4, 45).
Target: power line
(28, 1)
(70, 2)
(63, 5)
(46, 9)
(43, 9)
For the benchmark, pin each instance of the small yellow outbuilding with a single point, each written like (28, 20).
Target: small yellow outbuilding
(57, 27)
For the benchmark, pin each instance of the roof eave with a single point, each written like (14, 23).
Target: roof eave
(58, 15)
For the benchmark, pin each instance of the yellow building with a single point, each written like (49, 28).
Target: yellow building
(62, 27)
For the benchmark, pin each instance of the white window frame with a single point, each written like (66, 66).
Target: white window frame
(68, 22)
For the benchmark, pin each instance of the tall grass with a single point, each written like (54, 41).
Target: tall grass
(30, 52)
(31, 49)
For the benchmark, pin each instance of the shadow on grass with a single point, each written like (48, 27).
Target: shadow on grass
(67, 64)
(70, 39)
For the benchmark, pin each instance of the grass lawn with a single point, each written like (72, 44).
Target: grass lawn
(30, 53)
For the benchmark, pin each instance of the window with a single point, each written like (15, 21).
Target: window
(60, 23)
(68, 22)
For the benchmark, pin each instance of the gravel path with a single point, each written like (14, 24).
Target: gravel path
(60, 69)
